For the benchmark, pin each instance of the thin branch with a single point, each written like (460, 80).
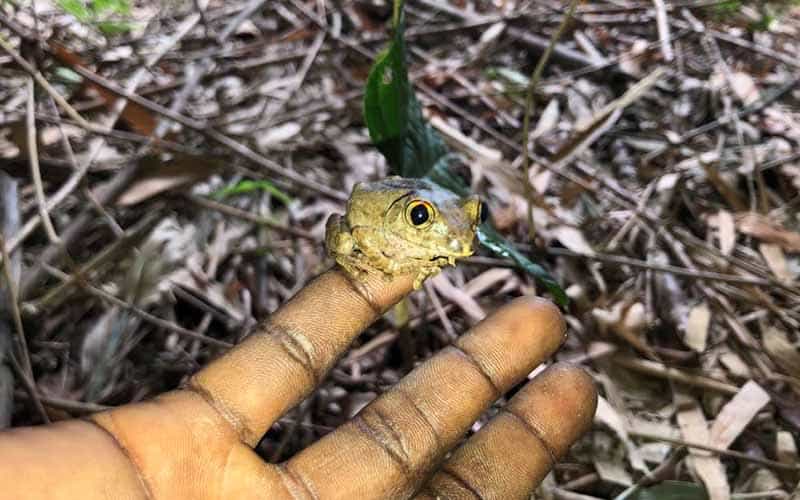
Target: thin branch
(33, 158)
(719, 451)
(660, 370)
(245, 215)
(146, 316)
(218, 137)
(25, 372)
(62, 103)
(530, 103)
(299, 78)
(662, 21)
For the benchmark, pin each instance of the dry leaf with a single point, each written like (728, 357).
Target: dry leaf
(609, 416)
(708, 468)
(697, 327)
(793, 172)
(776, 260)
(157, 177)
(744, 87)
(488, 279)
(573, 239)
(277, 135)
(735, 365)
(628, 323)
(737, 414)
(484, 154)
(782, 351)
(786, 448)
(459, 297)
(760, 227)
(727, 232)
(548, 121)
(609, 460)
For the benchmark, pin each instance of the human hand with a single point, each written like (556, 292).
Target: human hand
(197, 442)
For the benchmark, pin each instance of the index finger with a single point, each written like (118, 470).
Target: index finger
(290, 353)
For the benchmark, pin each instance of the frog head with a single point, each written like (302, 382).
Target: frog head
(420, 220)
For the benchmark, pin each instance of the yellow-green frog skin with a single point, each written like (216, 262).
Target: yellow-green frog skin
(399, 226)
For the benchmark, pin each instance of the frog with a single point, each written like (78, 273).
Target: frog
(399, 226)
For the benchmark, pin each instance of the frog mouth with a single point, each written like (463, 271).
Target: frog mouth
(450, 258)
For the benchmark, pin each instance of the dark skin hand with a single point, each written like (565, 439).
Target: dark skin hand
(197, 442)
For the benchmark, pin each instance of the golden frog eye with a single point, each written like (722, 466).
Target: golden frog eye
(419, 213)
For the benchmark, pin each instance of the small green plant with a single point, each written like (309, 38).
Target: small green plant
(249, 187)
(768, 12)
(414, 149)
(105, 15)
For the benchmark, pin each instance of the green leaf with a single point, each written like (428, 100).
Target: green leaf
(414, 149)
(393, 114)
(386, 100)
(492, 240)
(248, 186)
(111, 6)
(77, 8)
(114, 27)
(423, 147)
(671, 490)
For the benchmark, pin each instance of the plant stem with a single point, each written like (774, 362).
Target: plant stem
(529, 107)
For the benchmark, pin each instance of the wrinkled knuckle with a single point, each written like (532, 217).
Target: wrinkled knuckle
(297, 486)
(449, 484)
(381, 430)
(424, 420)
(234, 420)
(533, 430)
(364, 293)
(478, 366)
(298, 348)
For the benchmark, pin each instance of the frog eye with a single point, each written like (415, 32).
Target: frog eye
(419, 213)
(483, 212)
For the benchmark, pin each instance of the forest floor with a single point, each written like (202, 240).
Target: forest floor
(663, 189)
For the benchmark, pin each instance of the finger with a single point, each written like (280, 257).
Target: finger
(511, 455)
(71, 460)
(393, 444)
(279, 365)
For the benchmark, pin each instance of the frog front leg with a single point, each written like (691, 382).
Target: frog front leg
(342, 246)
(423, 274)
(370, 255)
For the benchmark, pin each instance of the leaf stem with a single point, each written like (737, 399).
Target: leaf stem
(398, 8)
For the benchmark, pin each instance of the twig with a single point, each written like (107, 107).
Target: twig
(237, 147)
(33, 158)
(161, 323)
(661, 370)
(663, 30)
(113, 188)
(22, 366)
(719, 451)
(63, 104)
(299, 78)
(529, 107)
(97, 265)
(76, 407)
(664, 470)
(725, 120)
(679, 271)
(256, 219)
